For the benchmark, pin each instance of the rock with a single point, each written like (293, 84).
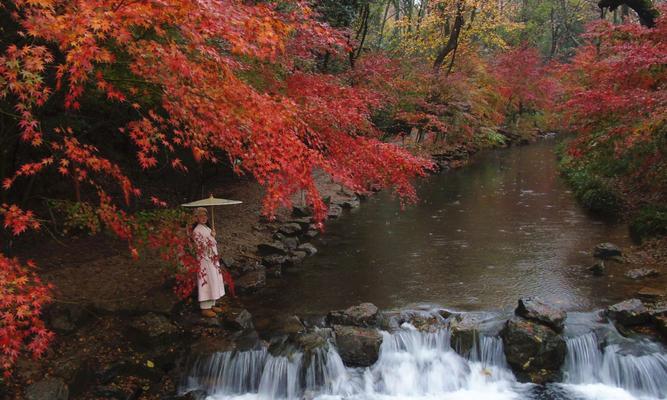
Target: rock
(363, 315)
(301, 211)
(424, 322)
(47, 389)
(206, 345)
(243, 268)
(536, 310)
(598, 268)
(606, 251)
(311, 233)
(193, 395)
(350, 203)
(66, 318)
(76, 371)
(130, 367)
(661, 325)
(290, 242)
(535, 352)
(334, 211)
(291, 229)
(650, 294)
(267, 249)
(298, 256)
(309, 342)
(628, 312)
(119, 392)
(639, 273)
(251, 282)
(274, 272)
(152, 330)
(464, 329)
(358, 347)
(275, 260)
(292, 325)
(304, 222)
(238, 319)
(308, 248)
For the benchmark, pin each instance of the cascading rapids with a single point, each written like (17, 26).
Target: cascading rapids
(619, 370)
(412, 365)
(423, 365)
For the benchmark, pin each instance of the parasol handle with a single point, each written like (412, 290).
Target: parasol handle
(212, 216)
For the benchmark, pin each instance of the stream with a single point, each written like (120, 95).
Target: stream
(480, 237)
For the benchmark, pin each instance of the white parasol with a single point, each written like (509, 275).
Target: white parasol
(211, 202)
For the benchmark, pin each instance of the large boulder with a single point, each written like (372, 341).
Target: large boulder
(464, 330)
(536, 310)
(358, 347)
(606, 251)
(152, 330)
(363, 315)
(629, 312)
(640, 273)
(534, 351)
(47, 389)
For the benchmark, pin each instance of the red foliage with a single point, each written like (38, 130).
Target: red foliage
(22, 296)
(523, 80)
(196, 57)
(616, 99)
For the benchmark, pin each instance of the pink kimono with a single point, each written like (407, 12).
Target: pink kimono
(210, 284)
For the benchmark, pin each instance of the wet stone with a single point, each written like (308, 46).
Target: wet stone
(290, 229)
(629, 312)
(597, 269)
(308, 248)
(363, 315)
(358, 347)
(640, 273)
(606, 251)
(534, 351)
(534, 309)
(334, 211)
(251, 281)
(267, 249)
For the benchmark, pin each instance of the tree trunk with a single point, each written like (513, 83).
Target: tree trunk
(453, 41)
(645, 9)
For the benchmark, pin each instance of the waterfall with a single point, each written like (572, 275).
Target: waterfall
(415, 365)
(638, 367)
(411, 365)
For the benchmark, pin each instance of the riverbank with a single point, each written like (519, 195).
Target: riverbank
(120, 320)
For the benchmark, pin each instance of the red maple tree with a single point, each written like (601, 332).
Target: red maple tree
(181, 70)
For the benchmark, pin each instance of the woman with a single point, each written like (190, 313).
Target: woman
(210, 283)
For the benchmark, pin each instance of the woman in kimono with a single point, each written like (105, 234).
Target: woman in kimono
(210, 283)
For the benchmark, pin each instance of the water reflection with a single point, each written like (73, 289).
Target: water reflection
(479, 238)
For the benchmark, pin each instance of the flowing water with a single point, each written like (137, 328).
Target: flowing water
(480, 238)
(415, 365)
